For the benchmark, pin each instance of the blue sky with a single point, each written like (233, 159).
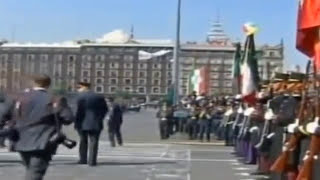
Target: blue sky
(61, 20)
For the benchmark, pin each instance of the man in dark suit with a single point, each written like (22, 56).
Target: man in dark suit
(91, 110)
(114, 123)
(35, 123)
(6, 106)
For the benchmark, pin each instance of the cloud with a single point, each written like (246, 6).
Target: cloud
(116, 36)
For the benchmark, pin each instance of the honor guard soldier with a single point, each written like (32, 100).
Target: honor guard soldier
(285, 116)
(276, 106)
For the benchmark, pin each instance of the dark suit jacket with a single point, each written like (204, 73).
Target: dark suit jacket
(91, 110)
(6, 107)
(35, 121)
(115, 115)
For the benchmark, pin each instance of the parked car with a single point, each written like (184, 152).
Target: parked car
(135, 108)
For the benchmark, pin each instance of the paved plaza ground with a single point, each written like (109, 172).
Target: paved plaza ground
(143, 157)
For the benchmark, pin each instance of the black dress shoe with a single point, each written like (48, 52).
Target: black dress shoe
(82, 162)
(92, 164)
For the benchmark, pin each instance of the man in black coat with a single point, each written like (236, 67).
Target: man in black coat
(91, 110)
(114, 123)
(6, 106)
(35, 123)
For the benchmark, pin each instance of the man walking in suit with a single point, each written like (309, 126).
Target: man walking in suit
(91, 110)
(114, 123)
(6, 106)
(35, 123)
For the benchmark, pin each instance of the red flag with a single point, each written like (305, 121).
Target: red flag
(308, 28)
(205, 80)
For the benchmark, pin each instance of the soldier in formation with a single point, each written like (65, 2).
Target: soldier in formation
(280, 132)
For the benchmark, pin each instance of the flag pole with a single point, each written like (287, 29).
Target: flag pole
(176, 57)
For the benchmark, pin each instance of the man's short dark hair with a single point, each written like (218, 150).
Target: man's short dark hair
(41, 80)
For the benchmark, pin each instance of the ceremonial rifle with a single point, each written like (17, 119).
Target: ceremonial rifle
(264, 144)
(305, 172)
(281, 164)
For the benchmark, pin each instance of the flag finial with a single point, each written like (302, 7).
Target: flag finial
(250, 28)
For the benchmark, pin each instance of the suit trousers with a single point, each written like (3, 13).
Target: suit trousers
(36, 164)
(115, 132)
(93, 137)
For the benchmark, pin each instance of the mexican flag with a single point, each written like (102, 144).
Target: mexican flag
(249, 71)
(170, 96)
(236, 72)
(190, 84)
(199, 81)
(308, 27)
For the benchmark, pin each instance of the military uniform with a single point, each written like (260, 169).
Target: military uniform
(229, 118)
(285, 117)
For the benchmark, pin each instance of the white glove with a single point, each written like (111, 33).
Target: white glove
(240, 110)
(269, 115)
(248, 111)
(271, 135)
(292, 127)
(163, 119)
(253, 129)
(251, 110)
(311, 127)
(229, 112)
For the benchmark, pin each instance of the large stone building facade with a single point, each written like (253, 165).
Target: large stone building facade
(142, 68)
(117, 67)
(109, 68)
(219, 60)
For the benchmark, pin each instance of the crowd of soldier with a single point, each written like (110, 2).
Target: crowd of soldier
(275, 131)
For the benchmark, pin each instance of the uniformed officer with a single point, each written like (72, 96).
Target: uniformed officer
(91, 110)
(192, 123)
(229, 118)
(260, 127)
(163, 115)
(204, 122)
(284, 108)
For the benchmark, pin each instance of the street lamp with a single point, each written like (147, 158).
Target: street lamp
(176, 57)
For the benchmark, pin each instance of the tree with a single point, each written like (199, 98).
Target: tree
(60, 89)
(124, 95)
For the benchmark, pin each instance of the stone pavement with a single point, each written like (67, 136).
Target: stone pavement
(143, 157)
(133, 161)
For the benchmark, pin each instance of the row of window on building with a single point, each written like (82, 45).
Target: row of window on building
(213, 84)
(213, 91)
(128, 81)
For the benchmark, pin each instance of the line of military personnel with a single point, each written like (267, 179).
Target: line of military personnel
(280, 132)
(197, 116)
(33, 121)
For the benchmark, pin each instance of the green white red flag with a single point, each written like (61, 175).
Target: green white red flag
(249, 67)
(199, 81)
(308, 29)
